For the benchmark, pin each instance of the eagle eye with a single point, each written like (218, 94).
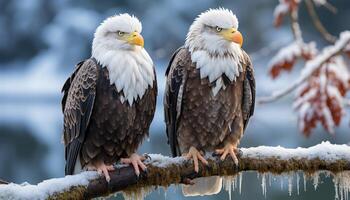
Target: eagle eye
(120, 33)
(218, 29)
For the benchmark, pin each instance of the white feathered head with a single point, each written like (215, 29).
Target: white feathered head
(216, 31)
(119, 32)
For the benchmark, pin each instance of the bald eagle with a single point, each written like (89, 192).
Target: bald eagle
(210, 94)
(109, 100)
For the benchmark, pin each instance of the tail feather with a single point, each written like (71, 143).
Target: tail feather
(203, 186)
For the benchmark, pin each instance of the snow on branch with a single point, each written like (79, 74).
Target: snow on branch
(286, 58)
(164, 171)
(312, 66)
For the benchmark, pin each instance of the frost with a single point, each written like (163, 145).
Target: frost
(341, 182)
(45, 188)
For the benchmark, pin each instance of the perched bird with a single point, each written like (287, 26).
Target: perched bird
(210, 93)
(110, 99)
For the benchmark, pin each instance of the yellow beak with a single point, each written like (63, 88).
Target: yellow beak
(232, 35)
(135, 38)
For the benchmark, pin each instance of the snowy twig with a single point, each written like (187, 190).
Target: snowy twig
(164, 171)
(317, 23)
(311, 66)
(3, 182)
(295, 25)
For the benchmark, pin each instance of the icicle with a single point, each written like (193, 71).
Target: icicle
(165, 189)
(270, 177)
(263, 184)
(304, 178)
(315, 178)
(240, 182)
(290, 184)
(281, 182)
(298, 179)
(230, 183)
(138, 194)
(342, 185)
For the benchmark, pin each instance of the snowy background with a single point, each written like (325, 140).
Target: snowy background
(42, 40)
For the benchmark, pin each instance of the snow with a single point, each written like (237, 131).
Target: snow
(281, 9)
(292, 51)
(310, 66)
(326, 54)
(320, 2)
(325, 151)
(44, 189)
(163, 161)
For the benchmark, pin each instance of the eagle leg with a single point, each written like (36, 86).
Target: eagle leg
(194, 154)
(101, 167)
(136, 161)
(229, 149)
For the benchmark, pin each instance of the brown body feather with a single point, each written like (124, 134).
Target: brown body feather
(97, 125)
(195, 117)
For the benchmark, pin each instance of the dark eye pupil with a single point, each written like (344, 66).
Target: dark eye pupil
(218, 29)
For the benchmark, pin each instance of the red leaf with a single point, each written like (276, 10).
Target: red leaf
(319, 100)
(286, 57)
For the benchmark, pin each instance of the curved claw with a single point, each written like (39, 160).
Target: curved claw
(195, 155)
(229, 149)
(136, 161)
(102, 168)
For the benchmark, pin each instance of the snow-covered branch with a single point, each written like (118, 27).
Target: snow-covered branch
(164, 171)
(312, 66)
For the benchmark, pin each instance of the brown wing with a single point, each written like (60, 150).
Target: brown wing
(176, 80)
(77, 104)
(248, 102)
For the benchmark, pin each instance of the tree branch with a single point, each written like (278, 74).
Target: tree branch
(295, 25)
(164, 171)
(311, 66)
(317, 22)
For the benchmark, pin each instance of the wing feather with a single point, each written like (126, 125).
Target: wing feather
(248, 102)
(77, 104)
(176, 80)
